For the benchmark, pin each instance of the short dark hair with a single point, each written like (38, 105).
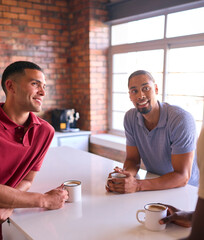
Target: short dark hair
(17, 67)
(141, 72)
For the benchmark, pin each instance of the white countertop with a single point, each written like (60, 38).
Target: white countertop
(100, 215)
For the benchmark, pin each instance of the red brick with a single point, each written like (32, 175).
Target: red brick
(54, 20)
(25, 17)
(39, 7)
(53, 32)
(48, 26)
(61, 60)
(4, 8)
(53, 43)
(33, 36)
(11, 28)
(47, 37)
(53, 8)
(33, 12)
(10, 15)
(9, 2)
(18, 10)
(25, 4)
(39, 31)
(61, 3)
(5, 21)
(34, 24)
(55, 65)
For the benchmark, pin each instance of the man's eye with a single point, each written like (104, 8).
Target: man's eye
(133, 91)
(146, 88)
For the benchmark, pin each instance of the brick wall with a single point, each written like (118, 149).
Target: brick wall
(88, 57)
(69, 40)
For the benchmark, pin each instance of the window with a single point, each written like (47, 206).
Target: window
(171, 47)
(138, 31)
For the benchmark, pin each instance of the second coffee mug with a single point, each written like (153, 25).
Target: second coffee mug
(153, 213)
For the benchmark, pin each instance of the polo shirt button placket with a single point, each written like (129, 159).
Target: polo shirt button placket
(19, 134)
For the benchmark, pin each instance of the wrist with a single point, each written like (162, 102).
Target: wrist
(42, 201)
(138, 185)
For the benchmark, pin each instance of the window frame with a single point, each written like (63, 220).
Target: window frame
(166, 44)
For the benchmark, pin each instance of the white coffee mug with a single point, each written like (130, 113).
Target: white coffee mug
(74, 190)
(153, 213)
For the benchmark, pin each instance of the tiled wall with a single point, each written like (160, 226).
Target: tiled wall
(69, 40)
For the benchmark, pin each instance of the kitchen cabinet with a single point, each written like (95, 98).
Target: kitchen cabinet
(78, 140)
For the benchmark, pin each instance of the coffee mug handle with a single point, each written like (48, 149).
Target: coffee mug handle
(137, 216)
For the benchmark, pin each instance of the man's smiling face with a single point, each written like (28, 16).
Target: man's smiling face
(142, 92)
(30, 90)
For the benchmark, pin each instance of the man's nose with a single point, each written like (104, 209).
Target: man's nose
(141, 95)
(42, 91)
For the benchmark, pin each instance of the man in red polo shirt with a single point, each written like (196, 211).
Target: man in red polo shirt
(24, 140)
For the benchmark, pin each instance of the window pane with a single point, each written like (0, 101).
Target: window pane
(186, 59)
(120, 63)
(138, 31)
(121, 102)
(117, 120)
(120, 83)
(185, 23)
(184, 84)
(119, 34)
(146, 29)
(152, 61)
(185, 80)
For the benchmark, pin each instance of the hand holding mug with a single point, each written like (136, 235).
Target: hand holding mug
(178, 217)
(122, 181)
(153, 213)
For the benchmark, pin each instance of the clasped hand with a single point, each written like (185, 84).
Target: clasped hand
(129, 184)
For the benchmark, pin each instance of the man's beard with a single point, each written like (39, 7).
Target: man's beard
(145, 110)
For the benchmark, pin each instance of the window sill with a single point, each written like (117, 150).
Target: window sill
(109, 141)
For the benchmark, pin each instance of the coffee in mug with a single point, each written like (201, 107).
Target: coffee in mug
(73, 188)
(153, 213)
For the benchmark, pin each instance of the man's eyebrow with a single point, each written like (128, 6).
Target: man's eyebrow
(133, 87)
(145, 84)
(36, 80)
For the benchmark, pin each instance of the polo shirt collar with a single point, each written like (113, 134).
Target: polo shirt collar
(162, 118)
(9, 124)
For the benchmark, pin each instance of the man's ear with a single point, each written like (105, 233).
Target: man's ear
(156, 88)
(9, 84)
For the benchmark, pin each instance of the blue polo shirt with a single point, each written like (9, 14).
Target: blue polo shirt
(175, 133)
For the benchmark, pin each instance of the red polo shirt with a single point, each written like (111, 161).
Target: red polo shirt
(20, 153)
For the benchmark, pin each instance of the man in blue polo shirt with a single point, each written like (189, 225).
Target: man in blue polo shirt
(161, 135)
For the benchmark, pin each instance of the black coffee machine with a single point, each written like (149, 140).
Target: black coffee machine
(65, 120)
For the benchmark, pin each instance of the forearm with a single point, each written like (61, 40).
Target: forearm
(131, 167)
(14, 198)
(24, 185)
(167, 181)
